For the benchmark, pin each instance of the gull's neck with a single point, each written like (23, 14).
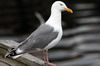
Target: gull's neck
(55, 18)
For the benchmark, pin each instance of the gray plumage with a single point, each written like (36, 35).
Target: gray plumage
(40, 38)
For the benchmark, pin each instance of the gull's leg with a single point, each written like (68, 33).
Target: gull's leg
(46, 55)
(46, 60)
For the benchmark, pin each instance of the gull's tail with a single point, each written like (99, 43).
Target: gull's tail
(12, 54)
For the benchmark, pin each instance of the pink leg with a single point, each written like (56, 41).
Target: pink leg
(46, 59)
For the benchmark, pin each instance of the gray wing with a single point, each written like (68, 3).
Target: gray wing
(39, 38)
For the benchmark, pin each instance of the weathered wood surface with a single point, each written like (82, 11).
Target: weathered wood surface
(24, 60)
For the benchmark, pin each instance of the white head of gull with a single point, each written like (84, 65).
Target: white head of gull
(45, 36)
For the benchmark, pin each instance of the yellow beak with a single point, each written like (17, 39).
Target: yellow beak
(69, 10)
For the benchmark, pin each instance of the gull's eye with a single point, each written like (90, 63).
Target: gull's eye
(61, 4)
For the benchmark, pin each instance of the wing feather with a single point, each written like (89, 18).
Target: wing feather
(40, 38)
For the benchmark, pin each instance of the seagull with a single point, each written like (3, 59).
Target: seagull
(46, 36)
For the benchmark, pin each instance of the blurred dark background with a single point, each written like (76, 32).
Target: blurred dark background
(80, 45)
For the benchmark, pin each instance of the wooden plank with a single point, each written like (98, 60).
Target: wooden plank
(24, 60)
